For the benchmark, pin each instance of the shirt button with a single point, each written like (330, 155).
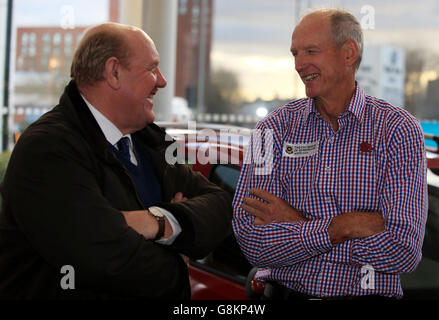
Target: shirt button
(331, 140)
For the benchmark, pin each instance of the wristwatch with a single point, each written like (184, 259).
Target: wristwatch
(156, 213)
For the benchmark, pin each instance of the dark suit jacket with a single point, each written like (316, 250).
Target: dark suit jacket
(62, 196)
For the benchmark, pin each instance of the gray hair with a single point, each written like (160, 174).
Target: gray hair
(344, 27)
(96, 47)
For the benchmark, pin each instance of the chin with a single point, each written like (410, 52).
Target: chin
(150, 117)
(311, 94)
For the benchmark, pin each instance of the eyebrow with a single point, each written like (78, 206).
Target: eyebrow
(292, 50)
(154, 64)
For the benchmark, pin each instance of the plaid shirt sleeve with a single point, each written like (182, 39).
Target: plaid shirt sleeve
(404, 205)
(274, 244)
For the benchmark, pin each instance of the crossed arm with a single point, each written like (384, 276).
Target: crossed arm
(343, 227)
(146, 224)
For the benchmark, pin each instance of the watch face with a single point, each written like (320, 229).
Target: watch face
(156, 212)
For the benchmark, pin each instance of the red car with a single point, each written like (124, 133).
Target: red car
(225, 274)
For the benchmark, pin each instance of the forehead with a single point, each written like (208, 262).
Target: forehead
(314, 29)
(143, 47)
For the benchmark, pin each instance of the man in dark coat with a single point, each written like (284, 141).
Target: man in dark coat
(84, 218)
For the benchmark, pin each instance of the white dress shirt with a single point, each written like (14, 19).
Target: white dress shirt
(113, 135)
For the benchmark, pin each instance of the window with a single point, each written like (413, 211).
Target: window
(227, 259)
(24, 44)
(68, 38)
(56, 39)
(226, 177)
(32, 43)
(182, 9)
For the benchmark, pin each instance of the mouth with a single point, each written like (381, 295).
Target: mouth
(310, 77)
(150, 98)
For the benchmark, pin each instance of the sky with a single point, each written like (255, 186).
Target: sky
(54, 12)
(252, 37)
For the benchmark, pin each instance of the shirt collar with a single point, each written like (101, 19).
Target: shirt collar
(110, 131)
(356, 105)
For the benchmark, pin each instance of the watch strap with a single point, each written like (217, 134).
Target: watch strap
(161, 222)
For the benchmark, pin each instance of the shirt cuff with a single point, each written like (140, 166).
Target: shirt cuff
(176, 228)
(315, 237)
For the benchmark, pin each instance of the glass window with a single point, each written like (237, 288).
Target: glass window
(56, 39)
(43, 71)
(24, 44)
(68, 44)
(182, 8)
(46, 43)
(32, 44)
(227, 258)
(78, 38)
(226, 177)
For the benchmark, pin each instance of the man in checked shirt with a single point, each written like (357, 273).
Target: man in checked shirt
(342, 213)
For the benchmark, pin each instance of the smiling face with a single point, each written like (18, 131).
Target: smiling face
(318, 62)
(139, 82)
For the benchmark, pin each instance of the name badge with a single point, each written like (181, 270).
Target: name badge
(300, 150)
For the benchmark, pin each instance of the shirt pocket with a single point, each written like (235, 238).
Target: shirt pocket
(297, 175)
(360, 181)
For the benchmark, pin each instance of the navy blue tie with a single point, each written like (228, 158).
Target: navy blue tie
(124, 148)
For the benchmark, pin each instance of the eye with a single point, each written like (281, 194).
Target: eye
(153, 70)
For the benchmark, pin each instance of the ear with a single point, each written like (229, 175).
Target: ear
(351, 52)
(112, 72)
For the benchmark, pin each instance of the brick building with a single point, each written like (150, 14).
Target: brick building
(50, 49)
(188, 46)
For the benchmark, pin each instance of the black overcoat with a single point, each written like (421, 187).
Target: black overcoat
(61, 200)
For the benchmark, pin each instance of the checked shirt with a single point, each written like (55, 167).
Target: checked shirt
(374, 162)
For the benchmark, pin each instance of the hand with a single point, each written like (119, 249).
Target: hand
(143, 222)
(274, 209)
(178, 197)
(353, 225)
(185, 258)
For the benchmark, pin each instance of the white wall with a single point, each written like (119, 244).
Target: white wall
(158, 18)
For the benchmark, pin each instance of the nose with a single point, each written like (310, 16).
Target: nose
(161, 81)
(299, 63)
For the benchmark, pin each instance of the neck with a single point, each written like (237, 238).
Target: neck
(103, 102)
(331, 107)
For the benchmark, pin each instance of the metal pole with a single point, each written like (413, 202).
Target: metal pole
(6, 84)
(204, 7)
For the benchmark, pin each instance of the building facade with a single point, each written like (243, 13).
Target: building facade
(48, 50)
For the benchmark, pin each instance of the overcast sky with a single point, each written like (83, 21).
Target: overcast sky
(51, 12)
(252, 37)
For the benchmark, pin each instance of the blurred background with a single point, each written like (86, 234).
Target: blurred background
(226, 61)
